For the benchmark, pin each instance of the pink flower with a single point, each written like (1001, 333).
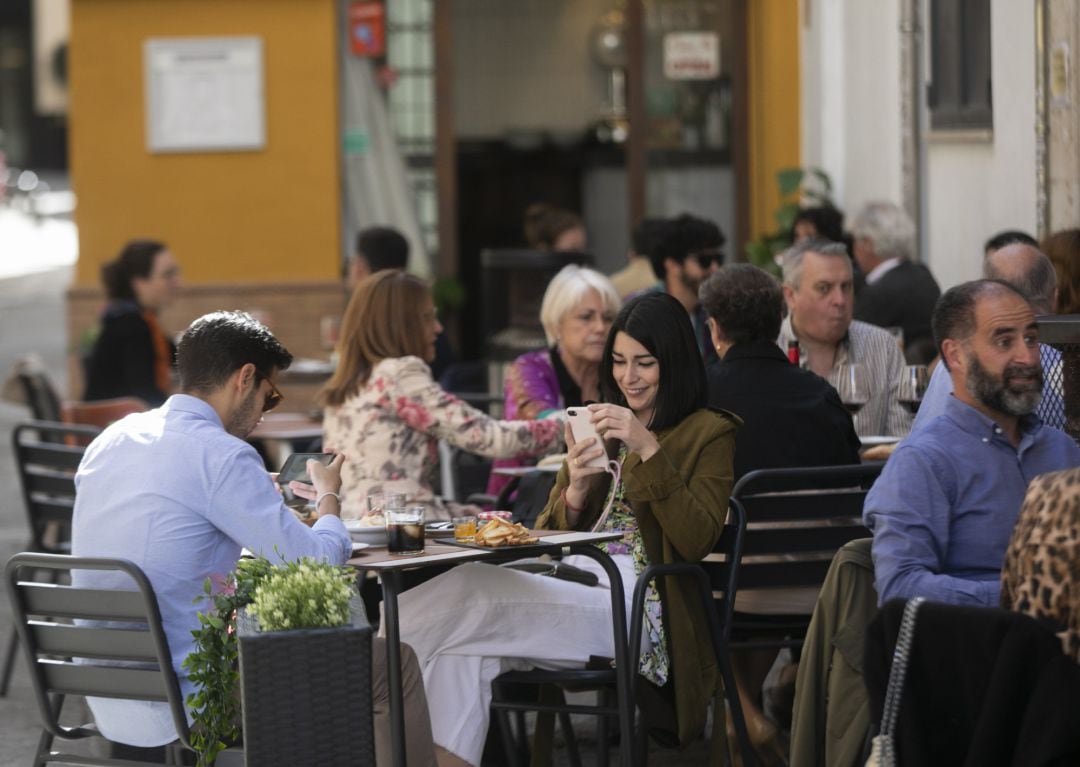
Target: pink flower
(413, 414)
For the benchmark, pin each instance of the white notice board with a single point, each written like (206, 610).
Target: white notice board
(691, 55)
(204, 94)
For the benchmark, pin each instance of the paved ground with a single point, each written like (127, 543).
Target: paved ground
(32, 319)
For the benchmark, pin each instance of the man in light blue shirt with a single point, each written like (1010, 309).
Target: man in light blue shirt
(1028, 270)
(178, 492)
(944, 508)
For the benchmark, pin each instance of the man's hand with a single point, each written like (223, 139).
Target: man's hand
(324, 479)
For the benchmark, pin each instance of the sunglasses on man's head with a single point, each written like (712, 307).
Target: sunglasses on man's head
(273, 397)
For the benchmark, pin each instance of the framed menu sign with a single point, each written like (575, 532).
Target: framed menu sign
(204, 94)
(691, 55)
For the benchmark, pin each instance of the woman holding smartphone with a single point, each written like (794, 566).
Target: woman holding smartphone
(669, 502)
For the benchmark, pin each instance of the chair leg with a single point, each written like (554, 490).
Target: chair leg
(9, 662)
(603, 734)
(41, 756)
(511, 747)
(571, 741)
(731, 692)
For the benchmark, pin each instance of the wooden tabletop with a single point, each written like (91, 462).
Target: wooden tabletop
(287, 426)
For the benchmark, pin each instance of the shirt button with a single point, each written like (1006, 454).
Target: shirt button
(986, 439)
(997, 430)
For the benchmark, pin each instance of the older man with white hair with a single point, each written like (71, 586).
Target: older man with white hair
(818, 290)
(898, 292)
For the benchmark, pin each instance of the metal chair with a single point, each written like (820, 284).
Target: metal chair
(716, 580)
(46, 456)
(91, 642)
(797, 519)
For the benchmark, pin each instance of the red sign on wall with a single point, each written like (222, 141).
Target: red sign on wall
(367, 29)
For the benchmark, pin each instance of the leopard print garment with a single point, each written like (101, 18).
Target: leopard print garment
(1041, 576)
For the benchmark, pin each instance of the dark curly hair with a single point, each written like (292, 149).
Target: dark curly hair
(745, 303)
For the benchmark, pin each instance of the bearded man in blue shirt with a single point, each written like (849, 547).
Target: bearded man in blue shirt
(946, 503)
(178, 491)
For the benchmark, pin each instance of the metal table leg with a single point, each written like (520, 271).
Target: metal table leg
(624, 670)
(391, 584)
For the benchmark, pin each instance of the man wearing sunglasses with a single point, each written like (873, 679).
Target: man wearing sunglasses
(178, 492)
(687, 251)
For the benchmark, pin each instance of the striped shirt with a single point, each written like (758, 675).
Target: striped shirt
(883, 361)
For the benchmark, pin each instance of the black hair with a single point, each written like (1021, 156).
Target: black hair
(682, 236)
(746, 303)
(383, 248)
(828, 220)
(1009, 237)
(135, 260)
(647, 234)
(545, 223)
(659, 322)
(954, 312)
(218, 344)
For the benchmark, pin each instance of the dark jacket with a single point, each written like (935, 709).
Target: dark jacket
(904, 297)
(121, 363)
(680, 500)
(984, 688)
(791, 417)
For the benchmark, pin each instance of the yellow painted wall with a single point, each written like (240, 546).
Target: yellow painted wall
(263, 216)
(774, 119)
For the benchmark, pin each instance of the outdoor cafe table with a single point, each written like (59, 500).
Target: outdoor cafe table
(389, 567)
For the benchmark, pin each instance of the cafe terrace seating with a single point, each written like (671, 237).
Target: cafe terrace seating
(66, 658)
(46, 457)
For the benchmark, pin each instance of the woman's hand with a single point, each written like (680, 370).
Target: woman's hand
(581, 476)
(615, 422)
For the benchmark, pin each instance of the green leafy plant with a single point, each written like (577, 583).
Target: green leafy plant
(294, 595)
(797, 186)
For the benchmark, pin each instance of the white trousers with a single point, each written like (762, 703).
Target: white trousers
(476, 621)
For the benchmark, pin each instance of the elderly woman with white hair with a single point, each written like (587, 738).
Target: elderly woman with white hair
(577, 311)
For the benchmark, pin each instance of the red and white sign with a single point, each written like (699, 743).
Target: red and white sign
(367, 29)
(691, 55)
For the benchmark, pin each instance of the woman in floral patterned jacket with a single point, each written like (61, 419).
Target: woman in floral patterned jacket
(384, 411)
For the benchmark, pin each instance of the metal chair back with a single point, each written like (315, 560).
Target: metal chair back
(796, 521)
(90, 641)
(46, 456)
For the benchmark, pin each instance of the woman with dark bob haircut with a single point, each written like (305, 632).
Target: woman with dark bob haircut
(669, 500)
(132, 356)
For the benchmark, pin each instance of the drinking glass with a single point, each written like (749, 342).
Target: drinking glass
(378, 503)
(853, 386)
(913, 387)
(465, 529)
(405, 530)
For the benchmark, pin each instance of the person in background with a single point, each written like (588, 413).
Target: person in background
(638, 273)
(384, 410)
(818, 289)
(686, 253)
(1063, 250)
(132, 356)
(1029, 271)
(474, 622)
(822, 222)
(377, 248)
(178, 491)
(578, 308)
(897, 292)
(946, 503)
(791, 417)
(1008, 237)
(550, 228)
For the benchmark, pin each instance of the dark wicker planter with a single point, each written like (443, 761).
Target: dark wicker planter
(307, 695)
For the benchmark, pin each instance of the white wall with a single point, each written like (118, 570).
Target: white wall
(851, 128)
(850, 97)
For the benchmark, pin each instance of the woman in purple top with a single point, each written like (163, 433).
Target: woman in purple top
(577, 311)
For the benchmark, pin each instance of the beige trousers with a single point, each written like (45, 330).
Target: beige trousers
(419, 747)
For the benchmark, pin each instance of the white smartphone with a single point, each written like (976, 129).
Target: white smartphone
(582, 428)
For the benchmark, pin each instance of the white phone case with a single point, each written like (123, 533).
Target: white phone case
(583, 428)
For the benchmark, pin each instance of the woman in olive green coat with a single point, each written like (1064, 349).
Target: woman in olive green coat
(676, 475)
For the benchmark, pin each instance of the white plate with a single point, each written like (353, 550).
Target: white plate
(880, 440)
(358, 545)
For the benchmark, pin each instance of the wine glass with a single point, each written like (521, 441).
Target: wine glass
(852, 385)
(912, 387)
